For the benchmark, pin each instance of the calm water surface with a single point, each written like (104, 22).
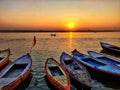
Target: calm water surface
(52, 46)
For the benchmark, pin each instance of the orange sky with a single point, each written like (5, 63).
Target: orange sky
(60, 14)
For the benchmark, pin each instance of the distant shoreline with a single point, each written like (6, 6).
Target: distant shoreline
(26, 31)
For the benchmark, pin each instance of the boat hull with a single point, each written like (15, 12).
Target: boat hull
(100, 68)
(105, 58)
(6, 59)
(79, 85)
(100, 73)
(75, 74)
(2, 64)
(56, 84)
(51, 78)
(108, 48)
(15, 73)
(17, 81)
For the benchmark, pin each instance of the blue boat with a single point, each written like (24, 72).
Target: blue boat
(97, 66)
(105, 58)
(76, 70)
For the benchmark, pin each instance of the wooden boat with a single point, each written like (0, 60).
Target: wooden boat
(4, 57)
(57, 74)
(111, 48)
(97, 66)
(76, 70)
(53, 34)
(12, 75)
(105, 58)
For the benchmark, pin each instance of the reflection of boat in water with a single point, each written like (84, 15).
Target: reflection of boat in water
(53, 34)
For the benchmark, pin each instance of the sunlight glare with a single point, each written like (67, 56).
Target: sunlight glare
(71, 25)
(70, 35)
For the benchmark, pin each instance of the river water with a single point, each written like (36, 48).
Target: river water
(52, 46)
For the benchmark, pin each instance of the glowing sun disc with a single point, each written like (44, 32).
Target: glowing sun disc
(71, 25)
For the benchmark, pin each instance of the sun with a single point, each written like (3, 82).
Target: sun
(71, 25)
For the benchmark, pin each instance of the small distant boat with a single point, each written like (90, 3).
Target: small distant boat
(57, 74)
(4, 57)
(12, 75)
(105, 58)
(111, 48)
(76, 70)
(97, 66)
(53, 34)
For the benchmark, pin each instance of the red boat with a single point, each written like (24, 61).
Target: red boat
(57, 74)
(4, 57)
(12, 75)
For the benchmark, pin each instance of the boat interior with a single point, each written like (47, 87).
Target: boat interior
(67, 62)
(1, 58)
(109, 60)
(93, 62)
(72, 64)
(15, 70)
(55, 71)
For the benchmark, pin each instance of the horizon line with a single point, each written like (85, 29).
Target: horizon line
(58, 31)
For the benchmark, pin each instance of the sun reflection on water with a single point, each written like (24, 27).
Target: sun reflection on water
(70, 40)
(70, 34)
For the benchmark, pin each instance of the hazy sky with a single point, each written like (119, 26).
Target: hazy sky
(59, 14)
